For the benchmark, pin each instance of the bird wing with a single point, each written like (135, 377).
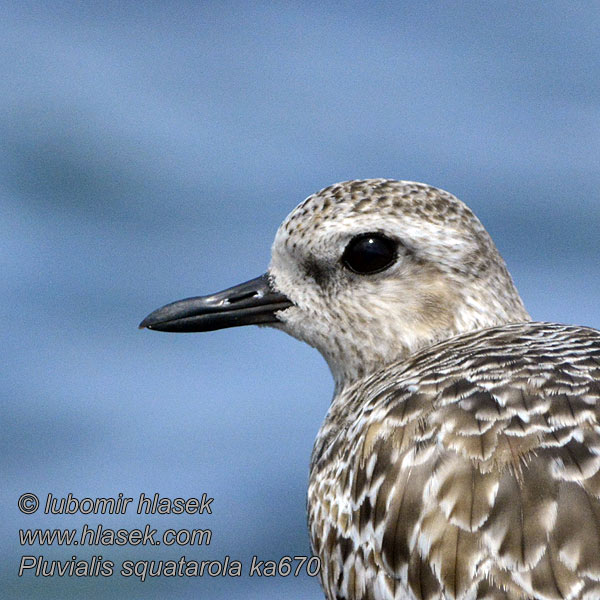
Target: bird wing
(474, 471)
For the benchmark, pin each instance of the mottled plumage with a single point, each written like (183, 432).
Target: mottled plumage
(460, 457)
(470, 470)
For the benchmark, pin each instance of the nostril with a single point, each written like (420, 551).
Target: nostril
(240, 297)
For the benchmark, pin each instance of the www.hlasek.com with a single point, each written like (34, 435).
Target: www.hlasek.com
(99, 535)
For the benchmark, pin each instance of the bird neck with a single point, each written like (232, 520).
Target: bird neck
(385, 340)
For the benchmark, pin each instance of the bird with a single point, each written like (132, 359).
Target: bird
(460, 456)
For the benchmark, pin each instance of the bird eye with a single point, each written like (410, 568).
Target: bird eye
(369, 253)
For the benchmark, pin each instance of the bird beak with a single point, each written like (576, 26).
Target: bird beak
(253, 302)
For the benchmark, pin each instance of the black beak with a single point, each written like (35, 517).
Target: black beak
(249, 303)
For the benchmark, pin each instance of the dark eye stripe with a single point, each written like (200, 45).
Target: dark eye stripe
(370, 253)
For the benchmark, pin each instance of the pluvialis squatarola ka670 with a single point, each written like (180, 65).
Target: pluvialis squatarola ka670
(460, 457)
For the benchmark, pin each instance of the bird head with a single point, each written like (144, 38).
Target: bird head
(368, 272)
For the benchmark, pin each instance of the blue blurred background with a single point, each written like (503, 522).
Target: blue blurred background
(148, 152)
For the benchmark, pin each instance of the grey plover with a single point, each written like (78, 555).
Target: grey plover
(460, 457)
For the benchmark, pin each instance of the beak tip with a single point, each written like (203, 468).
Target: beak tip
(146, 323)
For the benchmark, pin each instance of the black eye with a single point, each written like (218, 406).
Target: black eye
(369, 253)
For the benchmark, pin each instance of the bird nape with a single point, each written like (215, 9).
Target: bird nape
(460, 457)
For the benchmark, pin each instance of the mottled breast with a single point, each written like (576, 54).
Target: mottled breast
(471, 470)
